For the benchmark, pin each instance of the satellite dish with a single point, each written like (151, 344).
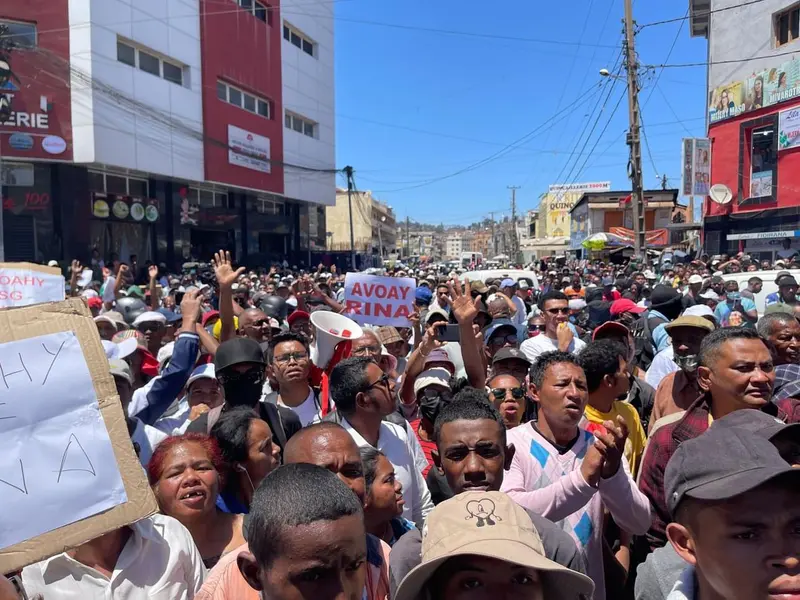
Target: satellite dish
(720, 193)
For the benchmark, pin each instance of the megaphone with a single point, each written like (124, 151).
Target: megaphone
(332, 328)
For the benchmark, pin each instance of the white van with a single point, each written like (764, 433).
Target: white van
(768, 277)
(515, 274)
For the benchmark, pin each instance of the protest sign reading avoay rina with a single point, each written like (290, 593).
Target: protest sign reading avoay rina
(379, 300)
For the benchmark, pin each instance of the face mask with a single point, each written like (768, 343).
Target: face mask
(688, 363)
(244, 389)
(733, 296)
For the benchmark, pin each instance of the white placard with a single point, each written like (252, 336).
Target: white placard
(248, 150)
(379, 300)
(23, 287)
(57, 465)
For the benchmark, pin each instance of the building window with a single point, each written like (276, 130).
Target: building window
(109, 183)
(207, 198)
(251, 103)
(300, 124)
(763, 161)
(260, 10)
(787, 26)
(302, 41)
(268, 207)
(22, 35)
(150, 62)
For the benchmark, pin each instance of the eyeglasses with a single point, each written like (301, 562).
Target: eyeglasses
(298, 357)
(382, 380)
(555, 311)
(366, 351)
(253, 376)
(499, 393)
(511, 338)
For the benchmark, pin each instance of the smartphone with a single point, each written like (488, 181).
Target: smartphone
(448, 333)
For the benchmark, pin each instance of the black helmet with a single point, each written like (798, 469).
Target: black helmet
(274, 306)
(130, 308)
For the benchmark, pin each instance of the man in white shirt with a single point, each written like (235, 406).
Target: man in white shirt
(289, 362)
(509, 288)
(360, 390)
(153, 559)
(557, 333)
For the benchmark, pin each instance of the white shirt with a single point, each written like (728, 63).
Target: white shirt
(406, 455)
(108, 290)
(519, 317)
(308, 412)
(663, 364)
(148, 438)
(535, 346)
(159, 562)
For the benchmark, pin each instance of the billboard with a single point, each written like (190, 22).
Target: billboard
(758, 90)
(789, 129)
(554, 207)
(579, 228)
(695, 166)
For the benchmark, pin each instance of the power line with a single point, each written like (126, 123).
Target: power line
(674, 114)
(703, 13)
(647, 145)
(666, 60)
(720, 62)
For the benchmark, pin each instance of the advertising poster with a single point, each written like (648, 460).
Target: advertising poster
(702, 167)
(761, 184)
(789, 129)
(554, 207)
(248, 150)
(686, 166)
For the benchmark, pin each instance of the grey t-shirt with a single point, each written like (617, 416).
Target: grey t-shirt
(558, 547)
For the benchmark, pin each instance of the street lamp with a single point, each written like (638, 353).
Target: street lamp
(380, 237)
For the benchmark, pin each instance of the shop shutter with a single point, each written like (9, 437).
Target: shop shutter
(19, 238)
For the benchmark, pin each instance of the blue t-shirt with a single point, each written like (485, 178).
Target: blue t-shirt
(724, 310)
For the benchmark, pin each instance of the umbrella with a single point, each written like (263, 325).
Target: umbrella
(598, 241)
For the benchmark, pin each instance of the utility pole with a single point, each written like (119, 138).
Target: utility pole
(514, 239)
(664, 181)
(349, 172)
(494, 241)
(634, 141)
(408, 239)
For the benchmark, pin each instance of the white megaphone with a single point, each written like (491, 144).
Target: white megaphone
(332, 328)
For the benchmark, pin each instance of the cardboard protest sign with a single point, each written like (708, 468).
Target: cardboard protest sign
(68, 471)
(23, 284)
(379, 300)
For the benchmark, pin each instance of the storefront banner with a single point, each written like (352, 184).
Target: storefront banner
(23, 284)
(597, 186)
(654, 237)
(248, 150)
(769, 245)
(764, 235)
(696, 166)
(760, 89)
(789, 129)
(379, 300)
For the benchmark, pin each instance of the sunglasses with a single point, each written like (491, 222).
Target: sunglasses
(432, 394)
(253, 376)
(382, 380)
(500, 393)
(511, 338)
(556, 311)
(536, 327)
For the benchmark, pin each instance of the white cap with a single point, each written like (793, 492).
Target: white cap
(577, 304)
(291, 301)
(150, 316)
(648, 274)
(89, 294)
(165, 353)
(202, 372)
(119, 350)
(695, 279)
(52, 263)
(710, 295)
(699, 310)
(523, 285)
(434, 376)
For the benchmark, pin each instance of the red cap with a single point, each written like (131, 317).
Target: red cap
(95, 302)
(298, 314)
(624, 305)
(610, 329)
(207, 316)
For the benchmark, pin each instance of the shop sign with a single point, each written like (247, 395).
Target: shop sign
(789, 129)
(598, 186)
(763, 235)
(54, 144)
(760, 89)
(248, 150)
(124, 208)
(20, 141)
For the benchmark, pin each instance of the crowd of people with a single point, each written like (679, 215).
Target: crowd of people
(598, 431)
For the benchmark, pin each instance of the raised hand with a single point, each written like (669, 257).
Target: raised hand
(223, 269)
(612, 445)
(430, 341)
(462, 305)
(76, 268)
(152, 271)
(190, 307)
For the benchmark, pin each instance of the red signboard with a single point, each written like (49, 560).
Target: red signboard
(654, 237)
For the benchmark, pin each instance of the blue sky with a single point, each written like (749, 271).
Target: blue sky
(414, 104)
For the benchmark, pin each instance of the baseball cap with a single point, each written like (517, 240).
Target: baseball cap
(478, 286)
(695, 279)
(119, 368)
(205, 371)
(491, 525)
(779, 307)
(119, 350)
(94, 302)
(388, 335)
(507, 282)
(298, 314)
(150, 316)
(610, 329)
(624, 305)
(434, 376)
(758, 422)
(735, 461)
(710, 294)
(648, 274)
(690, 321)
(237, 351)
(165, 353)
(523, 285)
(208, 315)
(135, 291)
(170, 316)
(495, 325)
(577, 304)
(423, 295)
(52, 263)
(510, 354)
(699, 310)
(436, 312)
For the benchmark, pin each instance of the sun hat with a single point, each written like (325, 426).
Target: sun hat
(388, 335)
(491, 525)
(440, 356)
(690, 321)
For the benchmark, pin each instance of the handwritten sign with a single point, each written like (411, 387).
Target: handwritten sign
(22, 284)
(54, 468)
(68, 470)
(379, 300)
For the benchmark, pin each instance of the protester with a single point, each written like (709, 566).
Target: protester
(432, 390)
(511, 361)
(289, 363)
(679, 389)
(203, 393)
(483, 545)
(557, 334)
(782, 331)
(249, 449)
(507, 395)
(360, 391)
(186, 473)
(383, 499)
(736, 372)
(570, 475)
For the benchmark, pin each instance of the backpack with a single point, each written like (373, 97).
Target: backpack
(642, 331)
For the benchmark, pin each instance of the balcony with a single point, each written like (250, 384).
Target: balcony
(699, 17)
